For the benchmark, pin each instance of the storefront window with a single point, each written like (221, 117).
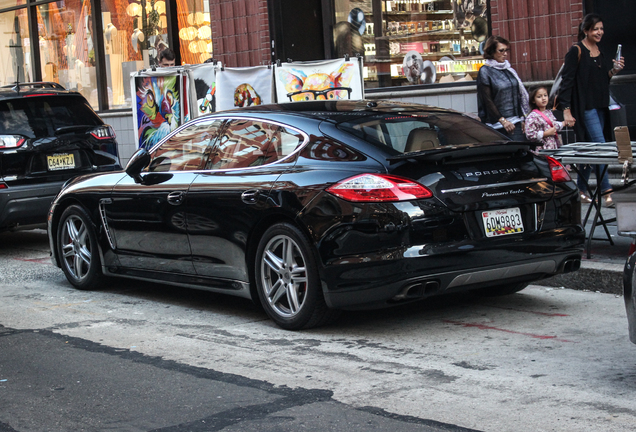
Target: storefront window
(16, 47)
(195, 33)
(411, 42)
(66, 46)
(11, 3)
(134, 33)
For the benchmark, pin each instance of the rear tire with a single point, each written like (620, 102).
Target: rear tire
(78, 250)
(501, 290)
(287, 280)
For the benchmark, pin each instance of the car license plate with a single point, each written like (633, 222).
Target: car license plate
(60, 161)
(502, 222)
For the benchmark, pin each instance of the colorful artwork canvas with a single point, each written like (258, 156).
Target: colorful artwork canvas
(243, 87)
(157, 108)
(202, 81)
(324, 80)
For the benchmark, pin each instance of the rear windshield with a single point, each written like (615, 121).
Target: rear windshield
(422, 131)
(40, 116)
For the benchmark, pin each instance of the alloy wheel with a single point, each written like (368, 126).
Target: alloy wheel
(284, 276)
(76, 247)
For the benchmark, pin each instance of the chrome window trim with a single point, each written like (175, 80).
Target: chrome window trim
(491, 185)
(298, 149)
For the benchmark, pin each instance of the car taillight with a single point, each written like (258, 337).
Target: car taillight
(379, 188)
(558, 171)
(11, 141)
(103, 132)
(4, 186)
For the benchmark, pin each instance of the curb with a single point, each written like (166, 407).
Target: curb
(592, 276)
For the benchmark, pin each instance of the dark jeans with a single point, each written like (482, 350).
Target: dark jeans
(594, 122)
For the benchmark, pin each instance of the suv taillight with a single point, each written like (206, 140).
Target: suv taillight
(379, 188)
(558, 171)
(103, 132)
(11, 141)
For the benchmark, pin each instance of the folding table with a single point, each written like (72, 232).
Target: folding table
(587, 153)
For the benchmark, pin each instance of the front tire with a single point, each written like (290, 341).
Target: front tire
(77, 249)
(287, 279)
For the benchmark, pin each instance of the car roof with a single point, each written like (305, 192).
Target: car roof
(19, 90)
(335, 110)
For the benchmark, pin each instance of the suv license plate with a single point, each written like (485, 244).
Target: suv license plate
(60, 161)
(502, 222)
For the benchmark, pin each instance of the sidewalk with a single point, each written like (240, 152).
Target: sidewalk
(603, 271)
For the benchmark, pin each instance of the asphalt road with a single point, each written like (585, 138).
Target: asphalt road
(146, 357)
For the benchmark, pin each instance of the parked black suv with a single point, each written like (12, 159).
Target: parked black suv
(47, 136)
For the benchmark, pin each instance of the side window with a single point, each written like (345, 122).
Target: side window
(187, 150)
(248, 143)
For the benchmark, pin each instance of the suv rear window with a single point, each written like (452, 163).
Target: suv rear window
(420, 131)
(40, 116)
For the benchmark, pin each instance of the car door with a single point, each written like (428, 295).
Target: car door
(228, 200)
(147, 218)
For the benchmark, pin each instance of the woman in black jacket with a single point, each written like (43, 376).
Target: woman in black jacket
(584, 95)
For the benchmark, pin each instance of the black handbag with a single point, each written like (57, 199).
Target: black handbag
(554, 91)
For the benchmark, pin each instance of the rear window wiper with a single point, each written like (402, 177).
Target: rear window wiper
(75, 128)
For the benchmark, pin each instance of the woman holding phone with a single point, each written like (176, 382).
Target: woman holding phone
(584, 96)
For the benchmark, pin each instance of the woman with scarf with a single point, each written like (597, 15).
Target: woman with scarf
(502, 99)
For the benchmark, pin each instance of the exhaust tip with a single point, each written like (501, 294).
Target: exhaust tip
(417, 290)
(571, 265)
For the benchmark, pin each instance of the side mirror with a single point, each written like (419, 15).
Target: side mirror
(139, 160)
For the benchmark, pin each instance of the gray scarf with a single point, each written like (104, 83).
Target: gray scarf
(523, 93)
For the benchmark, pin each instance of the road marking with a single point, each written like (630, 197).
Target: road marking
(487, 327)
(46, 260)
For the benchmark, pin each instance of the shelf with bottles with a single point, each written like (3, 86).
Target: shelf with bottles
(401, 29)
(370, 57)
(415, 6)
(428, 49)
(416, 37)
(409, 23)
(440, 14)
(456, 68)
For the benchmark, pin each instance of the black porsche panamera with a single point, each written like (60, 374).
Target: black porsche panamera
(310, 208)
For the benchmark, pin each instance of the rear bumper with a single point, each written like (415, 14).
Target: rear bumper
(27, 204)
(418, 272)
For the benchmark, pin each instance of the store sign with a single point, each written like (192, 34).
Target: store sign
(413, 46)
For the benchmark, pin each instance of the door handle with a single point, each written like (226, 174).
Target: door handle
(176, 198)
(250, 196)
